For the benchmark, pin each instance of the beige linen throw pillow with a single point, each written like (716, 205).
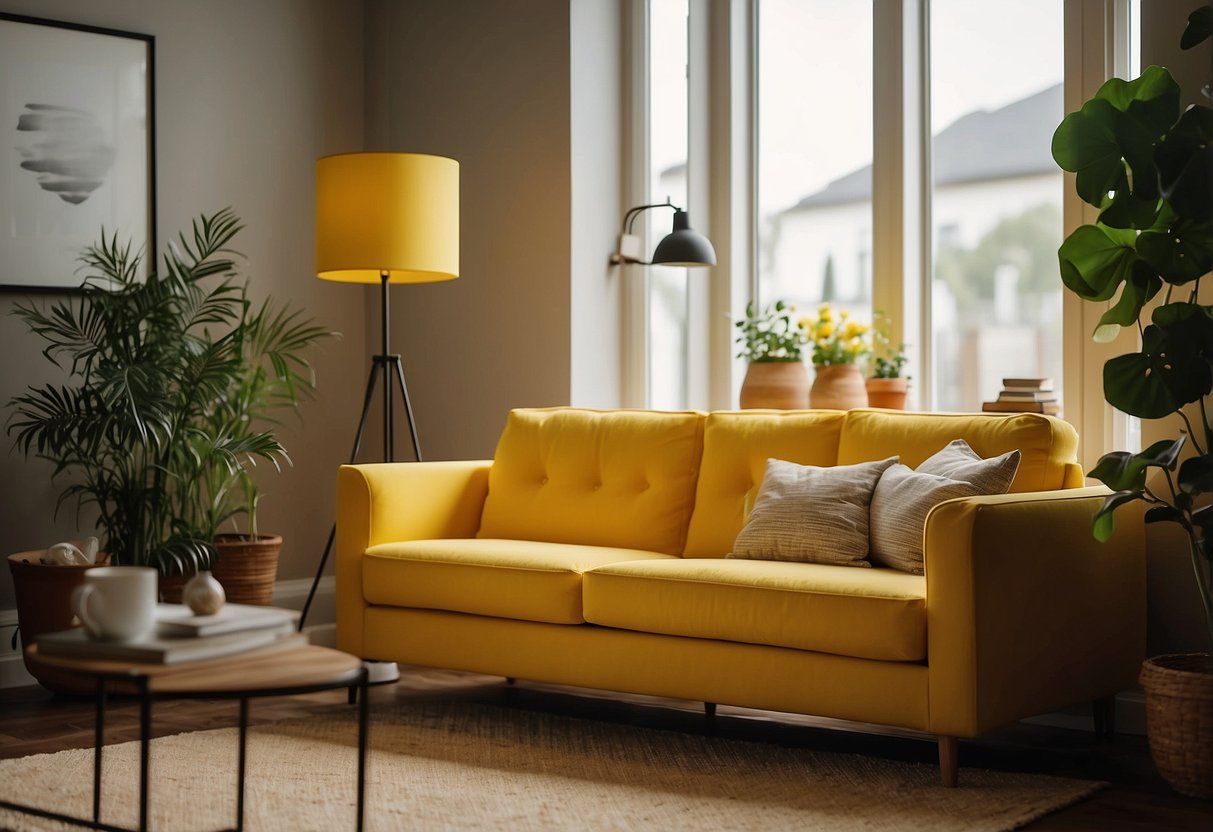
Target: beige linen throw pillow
(957, 461)
(903, 498)
(811, 514)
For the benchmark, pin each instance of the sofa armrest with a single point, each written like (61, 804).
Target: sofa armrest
(1026, 611)
(398, 501)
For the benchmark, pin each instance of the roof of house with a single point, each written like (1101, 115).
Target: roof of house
(1014, 140)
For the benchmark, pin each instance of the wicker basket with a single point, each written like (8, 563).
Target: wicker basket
(247, 568)
(1179, 720)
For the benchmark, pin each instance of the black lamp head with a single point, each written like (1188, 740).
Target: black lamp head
(681, 247)
(684, 247)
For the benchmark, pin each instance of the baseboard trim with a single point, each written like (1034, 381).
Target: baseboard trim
(321, 624)
(1130, 715)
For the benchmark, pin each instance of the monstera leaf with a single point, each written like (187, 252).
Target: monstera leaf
(1096, 262)
(1173, 367)
(1109, 145)
(1184, 158)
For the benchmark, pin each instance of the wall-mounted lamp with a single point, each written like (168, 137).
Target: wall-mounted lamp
(681, 247)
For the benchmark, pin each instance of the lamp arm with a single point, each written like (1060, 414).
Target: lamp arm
(630, 217)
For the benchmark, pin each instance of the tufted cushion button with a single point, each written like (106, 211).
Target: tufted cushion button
(543, 480)
(597, 486)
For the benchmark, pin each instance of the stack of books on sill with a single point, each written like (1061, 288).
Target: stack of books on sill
(181, 636)
(1025, 395)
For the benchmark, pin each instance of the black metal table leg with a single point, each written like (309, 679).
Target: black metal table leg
(145, 739)
(240, 770)
(363, 712)
(98, 744)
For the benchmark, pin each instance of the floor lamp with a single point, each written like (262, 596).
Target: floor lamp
(384, 218)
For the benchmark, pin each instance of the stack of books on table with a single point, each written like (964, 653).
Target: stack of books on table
(1025, 395)
(181, 636)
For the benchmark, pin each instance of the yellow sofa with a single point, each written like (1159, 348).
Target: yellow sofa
(590, 552)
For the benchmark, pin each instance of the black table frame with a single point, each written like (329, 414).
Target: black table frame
(356, 681)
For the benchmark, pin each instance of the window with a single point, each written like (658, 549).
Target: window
(886, 156)
(995, 195)
(814, 190)
(668, 146)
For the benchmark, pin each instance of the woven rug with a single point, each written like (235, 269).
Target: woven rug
(456, 766)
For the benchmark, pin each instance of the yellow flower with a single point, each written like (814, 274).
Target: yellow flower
(853, 329)
(825, 312)
(825, 330)
(805, 323)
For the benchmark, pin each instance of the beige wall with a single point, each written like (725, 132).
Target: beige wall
(486, 84)
(248, 94)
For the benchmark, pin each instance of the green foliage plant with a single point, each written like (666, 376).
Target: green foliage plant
(1148, 167)
(770, 334)
(172, 382)
(887, 361)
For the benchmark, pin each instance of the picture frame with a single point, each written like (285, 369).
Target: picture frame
(77, 147)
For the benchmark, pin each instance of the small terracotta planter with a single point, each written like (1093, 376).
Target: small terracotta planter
(781, 385)
(838, 387)
(889, 393)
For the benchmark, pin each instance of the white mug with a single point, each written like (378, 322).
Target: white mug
(117, 603)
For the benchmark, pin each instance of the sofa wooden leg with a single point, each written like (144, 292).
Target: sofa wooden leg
(1104, 712)
(709, 710)
(351, 695)
(949, 760)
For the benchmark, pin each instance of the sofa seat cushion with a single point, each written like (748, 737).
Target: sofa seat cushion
(526, 580)
(865, 613)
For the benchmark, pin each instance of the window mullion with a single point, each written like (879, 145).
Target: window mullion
(900, 181)
(634, 278)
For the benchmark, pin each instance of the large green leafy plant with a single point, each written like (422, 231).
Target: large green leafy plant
(1148, 167)
(173, 379)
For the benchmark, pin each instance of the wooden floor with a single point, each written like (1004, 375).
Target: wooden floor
(33, 721)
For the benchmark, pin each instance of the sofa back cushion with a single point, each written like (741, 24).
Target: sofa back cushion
(1046, 445)
(736, 447)
(620, 478)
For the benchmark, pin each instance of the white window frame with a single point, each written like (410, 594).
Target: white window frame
(722, 172)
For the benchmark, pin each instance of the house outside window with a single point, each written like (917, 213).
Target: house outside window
(812, 109)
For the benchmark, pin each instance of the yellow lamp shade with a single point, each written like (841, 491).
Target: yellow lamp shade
(393, 213)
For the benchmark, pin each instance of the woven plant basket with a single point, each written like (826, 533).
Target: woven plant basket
(247, 568)
(1179, 720)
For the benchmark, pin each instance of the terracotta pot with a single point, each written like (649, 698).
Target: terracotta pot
(782, 385)
(247, 568)
(838, 387)
(44, 605)
(887, 392)
(1179, 720)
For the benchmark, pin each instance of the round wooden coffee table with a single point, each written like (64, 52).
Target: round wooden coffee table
(256, 673)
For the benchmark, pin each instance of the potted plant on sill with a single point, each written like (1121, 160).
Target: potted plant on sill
(839, 344)
(772, 343)
(886, 386)
(152, 429)
(1148, 168)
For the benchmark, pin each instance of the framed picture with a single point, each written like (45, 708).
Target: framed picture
(77, 147)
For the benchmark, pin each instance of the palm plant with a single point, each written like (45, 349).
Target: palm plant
(172, 379)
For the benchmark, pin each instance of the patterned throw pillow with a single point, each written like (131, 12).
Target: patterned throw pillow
(900, 505)
(810, 514)
(903, 498)
(957, 461)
